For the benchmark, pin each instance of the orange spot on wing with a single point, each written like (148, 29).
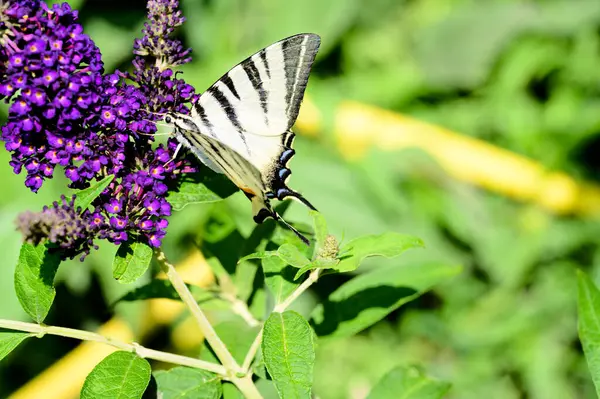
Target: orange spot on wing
(248, 191)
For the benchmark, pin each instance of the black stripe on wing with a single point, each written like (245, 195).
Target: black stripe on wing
(229, 111)
(299, 53)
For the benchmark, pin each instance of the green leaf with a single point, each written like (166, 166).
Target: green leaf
(84, 198)
(257, 255)
(368, 298)
(386, 244)
(588, 307)
(408, 383)
(289, 353)
(320, 226)
(279, 277)
(10, 340)
(131, 261)
(185, 382)
(292, 255)
(238, 337)
(160, 288)
(200, 188)
(120, 375)
(319, 263)
(34, 279)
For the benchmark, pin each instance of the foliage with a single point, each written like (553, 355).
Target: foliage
(521, 75)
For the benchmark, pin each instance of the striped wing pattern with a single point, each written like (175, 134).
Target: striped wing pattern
(241, 125)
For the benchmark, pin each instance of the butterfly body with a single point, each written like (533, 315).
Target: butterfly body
(241, 126)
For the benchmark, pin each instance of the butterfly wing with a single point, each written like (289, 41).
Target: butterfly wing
(252, 108)
(241, 125)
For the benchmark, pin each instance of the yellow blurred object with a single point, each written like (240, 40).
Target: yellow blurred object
(64, 379)
(358, 127)
(309, 119)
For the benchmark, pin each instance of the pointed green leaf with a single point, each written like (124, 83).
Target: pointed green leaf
(120, 375)
(84, 198)
(10, 340)
(588, 306)
(320, 226)
(257, 255)
(34, 279)
(199, 188)
(289, 353)
(408, 383)
(279, 277)
(185, 382)
(368, 298)
(292, 255)
(386, 244)
(131, 261)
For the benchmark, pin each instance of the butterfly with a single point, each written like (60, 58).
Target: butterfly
(241, 126)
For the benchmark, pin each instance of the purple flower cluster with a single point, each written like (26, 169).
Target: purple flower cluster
(66, 112)
(53, 79)
(163, 18)
(61, 224)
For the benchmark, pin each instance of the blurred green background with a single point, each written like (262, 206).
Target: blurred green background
(522, 75)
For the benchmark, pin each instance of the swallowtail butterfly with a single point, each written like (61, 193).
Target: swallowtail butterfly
(241, 126)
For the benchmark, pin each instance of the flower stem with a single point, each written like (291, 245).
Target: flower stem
(244, 384)
(280, 308)
(141, 351)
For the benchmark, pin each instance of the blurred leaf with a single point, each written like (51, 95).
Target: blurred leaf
(368, 298)
(161, 288)
(289, 353)
(34, 279)
(408, 383)
(113, 41)
(292, 256)
(320, 226)
(199, 188)
(588, 304)
(10, 340)
(238, 336)
(386, 244)
(131, 261)
(180, 382)
(258, 255)
(279, 277)
(120, 375)
(231, 392)
(84, 198)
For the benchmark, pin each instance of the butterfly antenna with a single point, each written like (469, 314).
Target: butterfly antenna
(289, 226)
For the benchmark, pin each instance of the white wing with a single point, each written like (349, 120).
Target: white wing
(253, 106)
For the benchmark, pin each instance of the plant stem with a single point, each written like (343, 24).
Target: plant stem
(280, 308)
(144, 352)
(244, 384)
(312, 278)
(240, 308)
(252, 351)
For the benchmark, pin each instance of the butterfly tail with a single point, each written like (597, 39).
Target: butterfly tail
(297, 196)
(265, 211)
(289, 226)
